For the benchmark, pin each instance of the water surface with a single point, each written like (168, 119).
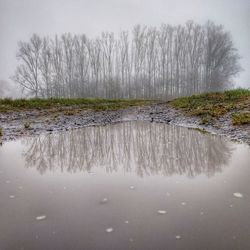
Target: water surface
(133, 185)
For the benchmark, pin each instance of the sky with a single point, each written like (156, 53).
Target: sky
(19, 19)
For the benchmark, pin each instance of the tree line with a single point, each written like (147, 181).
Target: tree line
(148, 62)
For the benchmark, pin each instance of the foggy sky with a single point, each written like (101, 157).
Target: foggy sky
(19, 19)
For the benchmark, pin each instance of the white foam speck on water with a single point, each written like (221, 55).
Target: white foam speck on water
(132, 187)
(177, 237)
(41, 217)
(238, 195)
(64, 188)
(201, 213)
(126, 221)
(183, 203)
(109, 230)
(20, 187)
(12, 196)
(161, 211)
(231, 205)
(131, 239)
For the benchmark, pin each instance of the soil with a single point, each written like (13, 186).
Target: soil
(34, 122)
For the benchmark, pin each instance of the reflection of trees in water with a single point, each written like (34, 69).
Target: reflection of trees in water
(144, 148)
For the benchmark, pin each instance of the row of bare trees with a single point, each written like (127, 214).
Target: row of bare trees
(146, 63)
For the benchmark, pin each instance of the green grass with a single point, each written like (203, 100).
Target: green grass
(237, 93)
(210, 106)
(7, 104)
(241, 118)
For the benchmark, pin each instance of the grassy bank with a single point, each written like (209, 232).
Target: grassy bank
(8, 105)
(208, 106)
(211, 106)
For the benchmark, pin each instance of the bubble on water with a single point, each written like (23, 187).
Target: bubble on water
(41, 217)
(238, 195)
(177, 237)
(161, 211)
(12, 196)
(109, 230)
(183, 203)
(126, 221)
(132, 187)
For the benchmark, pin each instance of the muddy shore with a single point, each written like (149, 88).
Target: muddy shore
(35, 122)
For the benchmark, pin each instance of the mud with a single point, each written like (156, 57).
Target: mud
(34, 122)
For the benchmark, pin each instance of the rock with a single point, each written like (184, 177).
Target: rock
(238, 195)
(41, 217)
(104, 200)
(109, 230)
(161, 211)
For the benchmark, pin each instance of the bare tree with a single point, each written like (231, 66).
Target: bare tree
(27, 74)
(146, 63)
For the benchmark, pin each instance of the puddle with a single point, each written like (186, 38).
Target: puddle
(133, 185)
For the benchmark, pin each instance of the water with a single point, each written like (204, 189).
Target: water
(133, 185)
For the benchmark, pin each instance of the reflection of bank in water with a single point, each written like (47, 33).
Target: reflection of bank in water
(141, 147)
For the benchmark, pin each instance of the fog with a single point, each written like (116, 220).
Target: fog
(19, 19)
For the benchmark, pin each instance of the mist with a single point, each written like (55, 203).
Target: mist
(20, 19)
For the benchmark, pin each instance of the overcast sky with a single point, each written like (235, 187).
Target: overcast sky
(19, 19)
